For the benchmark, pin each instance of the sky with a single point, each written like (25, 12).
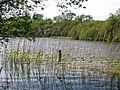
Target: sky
(99, 9)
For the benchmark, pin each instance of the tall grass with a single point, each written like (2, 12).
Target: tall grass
(28, 66)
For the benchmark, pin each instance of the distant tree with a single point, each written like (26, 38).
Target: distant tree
(80, 18)
(88, 17)
(117, 12)
(70, 16)
(83, 17)
(38, 16)
(58, 18)
(112, 27)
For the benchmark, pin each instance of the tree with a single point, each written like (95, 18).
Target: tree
(58, 18)
(38, 16)
(64, 5)
(17, 27)
(112, 28)
(88, 17)
(117, 12)
(70, 16)
(20, 8)
(10, 11)
(80, 18)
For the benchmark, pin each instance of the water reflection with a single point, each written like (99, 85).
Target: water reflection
(27, 67)
(72, 47)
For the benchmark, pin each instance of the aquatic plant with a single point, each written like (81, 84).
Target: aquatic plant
(116, 74)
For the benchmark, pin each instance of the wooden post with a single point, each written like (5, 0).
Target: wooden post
(1, 69)
(60, 56)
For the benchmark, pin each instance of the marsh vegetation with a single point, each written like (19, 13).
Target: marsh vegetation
(52, 64)
(29, 62)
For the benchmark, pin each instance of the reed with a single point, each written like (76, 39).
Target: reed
(57, 70)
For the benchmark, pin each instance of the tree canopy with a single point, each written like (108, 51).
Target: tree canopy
(22, 7)
(15, 21)
(13, 12)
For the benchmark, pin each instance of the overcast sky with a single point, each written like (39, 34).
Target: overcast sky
(99, 9)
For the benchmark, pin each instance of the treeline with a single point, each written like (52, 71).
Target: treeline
(81, 27)
(85, 28)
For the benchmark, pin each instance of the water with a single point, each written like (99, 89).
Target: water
(72, 47)
(84, 65)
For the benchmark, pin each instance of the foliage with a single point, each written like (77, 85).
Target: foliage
(79, 27)
(11, 11)
(85, 28)
(112, 27)
(38, 16)
(17, 27)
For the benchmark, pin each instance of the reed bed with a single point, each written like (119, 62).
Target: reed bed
(28, 65)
